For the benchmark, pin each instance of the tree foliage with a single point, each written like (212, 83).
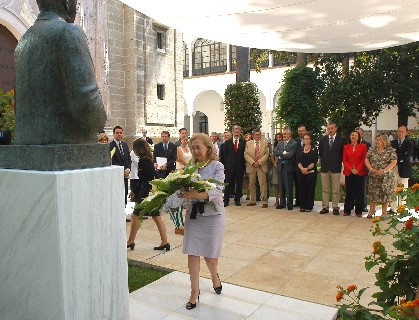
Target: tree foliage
(355, 95)
(399, 71)
(258, 56)
(7, 111)
(241, 102)
(350, 96)
(298, 103)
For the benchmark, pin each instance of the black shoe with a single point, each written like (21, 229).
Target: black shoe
(163, 247)
(127, 220)
(336, 211)
(225, 205)
(280, 206)
(290, 208)
(131, 246)
(191, 305)
(220, 288)
(237, 203)
(324, 211)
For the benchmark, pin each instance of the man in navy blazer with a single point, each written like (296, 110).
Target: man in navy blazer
(404, 148)
(168, 150)
(286, 152)
(331, 156)
(121, 157)
(234, 166)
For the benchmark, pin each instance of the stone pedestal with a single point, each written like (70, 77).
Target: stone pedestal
(63, 245)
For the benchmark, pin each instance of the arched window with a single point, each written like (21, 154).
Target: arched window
(209, 57)
(185, 60)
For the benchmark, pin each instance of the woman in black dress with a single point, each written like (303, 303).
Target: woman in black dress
(146, 173)
(307, 158)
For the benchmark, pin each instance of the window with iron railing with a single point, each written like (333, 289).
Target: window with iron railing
(209, 57)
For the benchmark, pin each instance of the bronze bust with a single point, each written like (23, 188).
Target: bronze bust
(57, 97)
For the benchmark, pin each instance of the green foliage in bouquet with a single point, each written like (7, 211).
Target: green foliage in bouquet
(179, 180)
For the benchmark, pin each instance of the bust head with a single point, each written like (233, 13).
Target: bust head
(66, 9)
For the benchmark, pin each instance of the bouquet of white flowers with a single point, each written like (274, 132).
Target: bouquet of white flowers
(164, 191)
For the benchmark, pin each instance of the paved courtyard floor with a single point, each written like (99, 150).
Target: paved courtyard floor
(287, 253)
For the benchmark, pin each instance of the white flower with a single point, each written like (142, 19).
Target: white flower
(210, 185)
(152, 195)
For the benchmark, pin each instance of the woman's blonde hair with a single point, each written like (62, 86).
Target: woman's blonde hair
(386, 141)
(101, 136)
(207, 142)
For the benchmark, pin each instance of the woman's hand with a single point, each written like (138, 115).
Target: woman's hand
(354, 171)
(193, 194)
(304, 170)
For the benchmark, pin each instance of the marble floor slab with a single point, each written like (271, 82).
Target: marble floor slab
(166, 299)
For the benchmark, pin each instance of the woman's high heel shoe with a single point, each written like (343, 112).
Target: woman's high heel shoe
(131, 246)
(163, 247)
(220, 288)
(191, 305)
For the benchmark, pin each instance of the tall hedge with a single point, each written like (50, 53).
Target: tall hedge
(242, 102)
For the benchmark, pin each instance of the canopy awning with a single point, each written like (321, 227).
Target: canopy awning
(292, 25)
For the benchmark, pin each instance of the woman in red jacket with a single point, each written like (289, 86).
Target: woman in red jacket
(354, 169)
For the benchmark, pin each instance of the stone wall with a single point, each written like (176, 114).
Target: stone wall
(136, 66)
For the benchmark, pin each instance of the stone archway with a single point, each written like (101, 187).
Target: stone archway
(8, 45)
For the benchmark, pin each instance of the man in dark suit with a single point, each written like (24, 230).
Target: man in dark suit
(168, 150)
(286, 152)
(121, 156)
(364, 178)
(404, 148)
(331, 154)
(234, 166)
(183, 133)
(221, 156)
(300, 144)
(148, 139)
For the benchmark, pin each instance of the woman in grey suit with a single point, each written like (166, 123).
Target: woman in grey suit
(204, 223)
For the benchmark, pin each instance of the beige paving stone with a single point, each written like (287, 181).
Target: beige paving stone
(313, 287)
(258, 240)
(337, 269)
(300, 248)
(354, 255)
(242, 253)
(311, 237)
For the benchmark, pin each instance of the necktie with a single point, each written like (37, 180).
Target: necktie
(257, 151)
(400, 143)
(215, 148)
(285, 144)
(121, 150)
(236, 145)
(330, 142)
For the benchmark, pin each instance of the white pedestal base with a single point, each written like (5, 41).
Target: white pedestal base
(63, 245)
